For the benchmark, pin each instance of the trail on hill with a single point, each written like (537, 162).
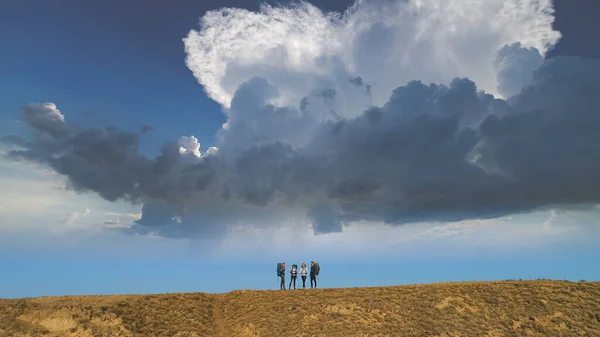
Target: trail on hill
(217, 317)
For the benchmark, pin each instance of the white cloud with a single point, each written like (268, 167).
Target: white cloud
(70, 218)
(548, 223)
(27, 192)
(115, 224)
(119, 221)
(45, 111)
(189, 145)
(387, 43)
(363, 240)
(34, 199)
(132, 216)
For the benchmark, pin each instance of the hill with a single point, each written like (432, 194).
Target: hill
(492, 309)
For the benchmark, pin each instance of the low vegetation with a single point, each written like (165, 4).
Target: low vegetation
(491, 309)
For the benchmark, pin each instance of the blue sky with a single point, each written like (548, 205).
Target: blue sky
(121, 64)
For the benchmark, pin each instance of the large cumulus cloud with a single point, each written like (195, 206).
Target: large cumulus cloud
(310, 139)
(432, 152)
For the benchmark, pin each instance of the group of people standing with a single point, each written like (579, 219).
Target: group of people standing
(304, 272)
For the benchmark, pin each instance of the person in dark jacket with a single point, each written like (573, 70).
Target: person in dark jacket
(293, 275)
(313, 274)
(282, 275)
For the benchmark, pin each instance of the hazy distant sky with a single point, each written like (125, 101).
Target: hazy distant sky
(294, 134)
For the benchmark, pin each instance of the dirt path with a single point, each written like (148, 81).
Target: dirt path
(217, 309)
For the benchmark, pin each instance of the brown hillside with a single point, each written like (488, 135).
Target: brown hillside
(492, 309)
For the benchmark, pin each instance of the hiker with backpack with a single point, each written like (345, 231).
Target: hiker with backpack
(314, 272)
(281, 273)
(293, 275)
(303, 273)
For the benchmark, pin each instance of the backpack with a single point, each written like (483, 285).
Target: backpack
(317, 268)
(279, 269)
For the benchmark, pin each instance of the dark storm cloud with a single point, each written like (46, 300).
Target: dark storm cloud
(325, 219)
(107, 161)
(431, 153)
(103, 161)
(551, 149)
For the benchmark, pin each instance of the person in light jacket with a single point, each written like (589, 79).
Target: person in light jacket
(303, 273)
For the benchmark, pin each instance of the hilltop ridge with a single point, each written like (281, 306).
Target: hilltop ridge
(492, 309)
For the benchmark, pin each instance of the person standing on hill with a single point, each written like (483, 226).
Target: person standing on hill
(313, 274)
(293, 275)
(282, 275)
(303, 273)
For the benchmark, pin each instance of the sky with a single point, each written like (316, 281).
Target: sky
(162, 148)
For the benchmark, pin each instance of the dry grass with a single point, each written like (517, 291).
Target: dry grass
(487, 309)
